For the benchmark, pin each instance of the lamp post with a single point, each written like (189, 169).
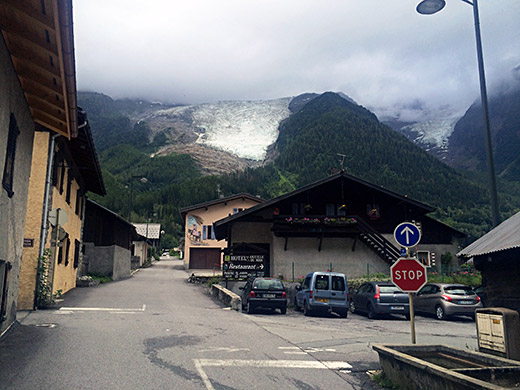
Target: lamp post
(429, 7)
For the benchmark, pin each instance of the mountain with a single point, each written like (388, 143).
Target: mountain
(174, 148)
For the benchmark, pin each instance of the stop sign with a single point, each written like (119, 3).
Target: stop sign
(408, 274)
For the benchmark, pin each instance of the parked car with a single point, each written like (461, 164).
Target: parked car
(268, 293)
(323, 292)
(379, 298)
(445, 300)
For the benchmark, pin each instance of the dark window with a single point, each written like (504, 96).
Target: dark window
(306, 283)
(322, 282)
(330, 209)
(55, 168)
(60, 254)
(69, 186)
(62, 176)
(338, 283)
(79, 200)
(77, 249)
(7, 180)
(5, 267)
(67, 251)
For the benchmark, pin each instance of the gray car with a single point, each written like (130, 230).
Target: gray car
(445, 300)
(379, 298)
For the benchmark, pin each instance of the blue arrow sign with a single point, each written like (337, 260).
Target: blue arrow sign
(407, 234)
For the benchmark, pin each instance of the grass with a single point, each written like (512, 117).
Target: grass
(380, 378)
(100, 277)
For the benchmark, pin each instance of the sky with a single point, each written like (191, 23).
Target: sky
(382, 53)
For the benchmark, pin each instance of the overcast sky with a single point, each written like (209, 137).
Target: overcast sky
(382, 53)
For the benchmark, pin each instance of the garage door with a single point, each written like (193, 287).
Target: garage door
(205, 258)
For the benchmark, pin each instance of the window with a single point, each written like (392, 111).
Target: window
(7, 180)
(338, 283)
(77, 249)
(79, 202)
(330, 210)
(306, 283)
(62, 176)
(55, 168)
(69, 185)
(208, 233)
(67, 251)
(5, 268)
(322, 282)
(424, 257)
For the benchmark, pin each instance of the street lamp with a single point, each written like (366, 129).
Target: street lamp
(429, 7)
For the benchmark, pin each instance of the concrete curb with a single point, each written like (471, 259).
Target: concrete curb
(226, 296)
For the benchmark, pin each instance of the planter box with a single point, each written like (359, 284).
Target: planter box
(439, 367)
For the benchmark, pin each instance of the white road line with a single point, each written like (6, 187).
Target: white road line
(296, 353)
(203, 375)
(110, 309)
(331, 365)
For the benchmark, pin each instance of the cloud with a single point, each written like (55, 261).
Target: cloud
(381, 53)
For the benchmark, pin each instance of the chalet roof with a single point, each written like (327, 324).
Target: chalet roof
(39, 37)
(84, 154)
(338, 176)
(151, 231)
(503, 237)
(242, 195)
(91, 203)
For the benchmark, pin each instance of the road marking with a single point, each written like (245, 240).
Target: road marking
(224, 349)
(109, 309)
(307, 364)
(304, 351)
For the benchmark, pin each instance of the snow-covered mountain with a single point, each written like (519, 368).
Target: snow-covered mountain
(431, 135)
(242, 128)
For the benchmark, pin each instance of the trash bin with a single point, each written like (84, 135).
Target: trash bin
(498, 332)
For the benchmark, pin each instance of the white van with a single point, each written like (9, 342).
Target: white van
(323, 292)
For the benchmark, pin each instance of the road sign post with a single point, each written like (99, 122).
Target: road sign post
(409, 275)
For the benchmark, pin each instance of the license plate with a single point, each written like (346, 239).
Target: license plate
(396, 307)
(465, 302)
(269, 295)
(321, 300)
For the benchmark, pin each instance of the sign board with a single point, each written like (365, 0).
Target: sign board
(28, 242)
(407, 234)
(57, 217)
(244, 265)
(408, 275)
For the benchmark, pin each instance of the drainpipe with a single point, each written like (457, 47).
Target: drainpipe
(45, 213)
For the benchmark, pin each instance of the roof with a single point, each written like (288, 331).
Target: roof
(113, 214)
(148, 230)
(503, 237)
(219, 224)
(39, 37)
(85, 156)
(242, 195)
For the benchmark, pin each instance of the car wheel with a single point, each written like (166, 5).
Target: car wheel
(250, 308)
(296, 306)
(371, 313)
(343, 313)
(440, 313)
(352, 307)
(306, 309)
(407, 316)
(283, 310)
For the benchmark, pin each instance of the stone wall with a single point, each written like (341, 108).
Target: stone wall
(112, 261)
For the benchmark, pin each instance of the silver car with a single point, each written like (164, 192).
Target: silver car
(445, 300)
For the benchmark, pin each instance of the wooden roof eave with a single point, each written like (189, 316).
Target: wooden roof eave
(39, 37)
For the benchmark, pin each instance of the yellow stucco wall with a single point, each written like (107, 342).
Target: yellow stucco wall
(33, 221)
(65, 275)
(206, 216)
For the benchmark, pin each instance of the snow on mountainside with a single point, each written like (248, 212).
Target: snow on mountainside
(431, 135)
(242, 128)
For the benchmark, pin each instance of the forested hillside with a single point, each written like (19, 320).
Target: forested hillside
(308, 147)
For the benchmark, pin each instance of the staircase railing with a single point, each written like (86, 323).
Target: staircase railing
(379, 244)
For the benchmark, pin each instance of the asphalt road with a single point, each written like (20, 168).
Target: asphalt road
(157, 331)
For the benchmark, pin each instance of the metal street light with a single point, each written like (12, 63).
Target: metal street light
(429, 7)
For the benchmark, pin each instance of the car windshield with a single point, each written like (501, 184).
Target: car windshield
(267, 284)
(390, 290)
(459, 290)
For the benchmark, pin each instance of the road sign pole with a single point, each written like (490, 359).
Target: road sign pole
(412, 317)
